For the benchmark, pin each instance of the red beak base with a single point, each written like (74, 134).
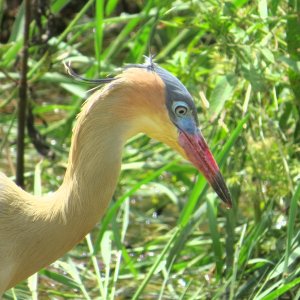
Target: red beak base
(201, 157)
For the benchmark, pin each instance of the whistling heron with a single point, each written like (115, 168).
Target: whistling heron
(146, 98)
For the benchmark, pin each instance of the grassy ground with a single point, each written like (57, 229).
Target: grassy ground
(166, 235)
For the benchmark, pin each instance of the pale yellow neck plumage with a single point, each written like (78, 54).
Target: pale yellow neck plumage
(36, 231)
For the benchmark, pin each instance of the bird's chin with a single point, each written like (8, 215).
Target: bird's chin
(198, 153)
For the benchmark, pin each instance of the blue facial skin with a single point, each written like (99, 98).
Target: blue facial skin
(187, 124)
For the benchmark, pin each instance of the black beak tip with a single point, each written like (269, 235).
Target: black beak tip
(221, 189)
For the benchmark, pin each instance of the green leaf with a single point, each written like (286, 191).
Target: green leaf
(58, 5)
(18, 26)
(267, 53)
(213, 227)
(67, 281)
(291, 226)
(294, 65)
(99, 30)
(239, 3)
(281, 290)
(263, 8)
(110, 7)
(222, 92)
(10, 53)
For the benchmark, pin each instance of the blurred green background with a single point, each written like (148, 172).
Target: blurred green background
(166, 235)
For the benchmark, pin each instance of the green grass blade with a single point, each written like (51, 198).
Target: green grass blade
(1, 10)
(99, 30)
(95, 266)
(183, 236)
(106, 254)
(17, 30)
(71, 25)
(125, 224)
(281, 290)
(123, 38)
(71, 268)
(117, 45)
(119, 239)
(33, 280)
(221, 93)
(58, 5)
(62, 279)
(173, 44)
(291, 227)
(237, 253)
(215, 236)
(8, 58)
(155, 265)
(110, 7)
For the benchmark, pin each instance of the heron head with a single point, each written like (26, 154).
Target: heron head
(158, 104)
(174, 121)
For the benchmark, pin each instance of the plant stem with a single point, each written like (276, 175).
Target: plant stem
(22, 107)
(293, 44)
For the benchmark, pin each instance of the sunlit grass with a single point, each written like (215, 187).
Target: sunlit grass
(165, 234)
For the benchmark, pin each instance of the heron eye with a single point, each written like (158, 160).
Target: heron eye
(181, 110)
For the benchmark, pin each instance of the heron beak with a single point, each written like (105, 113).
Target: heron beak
(197, 151)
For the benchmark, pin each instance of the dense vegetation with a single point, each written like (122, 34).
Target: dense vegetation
(166, 235)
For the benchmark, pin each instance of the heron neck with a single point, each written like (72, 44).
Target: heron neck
(51, 226)
(94, 161)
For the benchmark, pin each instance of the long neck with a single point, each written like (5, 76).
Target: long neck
(95, 159)
(48, 227)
